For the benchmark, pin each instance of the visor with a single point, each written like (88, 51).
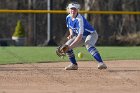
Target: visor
(77, 6)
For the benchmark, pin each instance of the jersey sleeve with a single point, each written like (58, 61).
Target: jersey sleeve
(81, 25)
(67, 18)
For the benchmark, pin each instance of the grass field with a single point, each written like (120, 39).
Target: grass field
(121, 76)
(10, 55)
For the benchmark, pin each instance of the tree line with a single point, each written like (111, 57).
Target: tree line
(112, 29)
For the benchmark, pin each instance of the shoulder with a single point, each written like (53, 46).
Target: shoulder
(79, 17)
(68, 16)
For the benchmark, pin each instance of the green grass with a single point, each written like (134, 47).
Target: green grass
(10, 55)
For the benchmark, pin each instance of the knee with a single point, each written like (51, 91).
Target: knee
(88, 44)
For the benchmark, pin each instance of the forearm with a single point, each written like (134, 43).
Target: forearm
(75, 42)
(70, 34)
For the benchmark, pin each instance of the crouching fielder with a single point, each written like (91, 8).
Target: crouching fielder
(80, 33)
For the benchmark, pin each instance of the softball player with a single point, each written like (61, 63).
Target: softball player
(80, 33)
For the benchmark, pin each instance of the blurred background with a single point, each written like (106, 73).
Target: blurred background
(49, 29)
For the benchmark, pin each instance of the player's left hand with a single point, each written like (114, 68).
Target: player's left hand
(61, 50)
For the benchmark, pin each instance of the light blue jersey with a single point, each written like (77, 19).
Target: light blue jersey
(79, 25)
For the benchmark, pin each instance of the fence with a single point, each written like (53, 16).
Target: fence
(32, 32)
(64, 12)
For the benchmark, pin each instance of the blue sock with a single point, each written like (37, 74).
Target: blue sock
(73, 60)
(98, 57)
(71, 57)
(94, 52)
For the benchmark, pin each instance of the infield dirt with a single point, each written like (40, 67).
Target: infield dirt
(120, 77)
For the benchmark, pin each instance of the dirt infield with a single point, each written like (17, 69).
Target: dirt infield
(120, 77)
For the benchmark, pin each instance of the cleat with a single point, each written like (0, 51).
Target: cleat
(71, 67)
(102, 66)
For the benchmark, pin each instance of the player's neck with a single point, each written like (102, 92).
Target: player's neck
(74, 16)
